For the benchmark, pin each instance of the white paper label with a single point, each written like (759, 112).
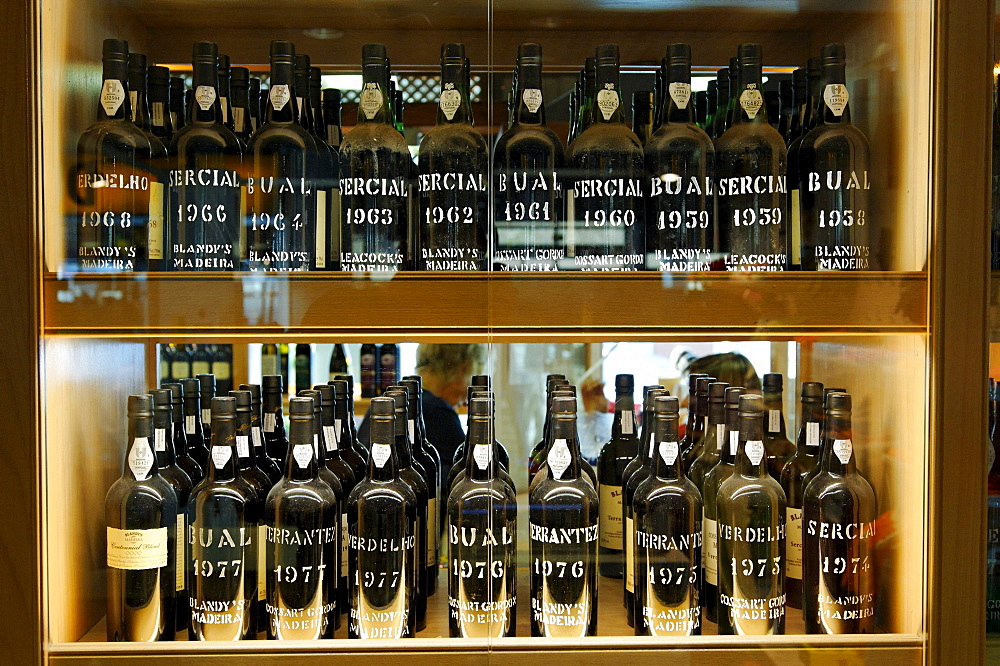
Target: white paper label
(482, 453)
(680, 93)
(532, 99)
(734, 441)
(221, 455)
(224, 105)
(751, 100)
(380, 454)
(160, 439)
(755, 451)
(711, 546)
(812, 433)
(279, 96)
(330, 435)
(793, 543)
(140, 458)
(337, 430)
(321, 229)
(773, 420)
(257, 437)
(155, 224)
(239, 113)
(303, 455)
(205, 97)
(343, 545)
(720, 437)
(157, 111)
(133, 95)
(371, 100)
(843, 450)
(181, 549)
(628, 426)
(630, 554)
(668, 451)
(190, 423)
(112, 96)
(242, 446)
(270, 421)
(451, 99)
(835, 95)
(607, 100)
(558, 458)
(411, 427)
(206, 416)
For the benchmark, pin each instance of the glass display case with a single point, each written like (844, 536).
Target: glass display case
(908, 341)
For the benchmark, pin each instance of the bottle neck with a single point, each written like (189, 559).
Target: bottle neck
(833, 102)
(748, 105)
(162, 437)
(481, 458)
(244, 447)
(608, 100)
(809, 109)
(701, 415)
(404, 452)
(623, 425)
(205, 106)
(303, 100)
(678, 100)
(140, 457)
(731, 445)
(808, 439)
(318, 439)
(693, 413)
(301, 463)
(240, 108)
(191, 410)
(282, 106)
(564, 453)
(716, 412)
(666, 454)
(114, 102)
(453, 105)
(374, 105)
(648, 423)
(137, 95)
(331, 118)
(587, 110)
(774, 422)
(383, 462)
(223, 459)
(528, 100)
(342, 414)
(838, 456)
(751, 457)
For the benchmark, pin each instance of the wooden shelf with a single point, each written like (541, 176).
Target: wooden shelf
(499, 307)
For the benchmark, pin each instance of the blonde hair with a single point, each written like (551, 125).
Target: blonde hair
(446, 361)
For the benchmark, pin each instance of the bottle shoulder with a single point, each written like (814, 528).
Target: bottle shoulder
(269, 134)
(835, 138)
(738, 487)
(605, 138)
(373, 136)
(113, 132)
(452, 135)
(527, 139)
(152, 491)
(679, 137)
(743, 137)
(552, 491)
(382, 492)
(825, 487)
(205, 137)
(300, 494)
(236, 490)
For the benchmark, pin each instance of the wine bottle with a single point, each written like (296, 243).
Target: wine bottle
(793, 474)
(261, 460)
(369, 371)
(140, 513)
(431, 465)
(375, 163)
(178, 436)
(697, 441)
(778, 449)
(642, 115)
(607, 168)
(480, 383)
(715, 435)
(453, 168)
(574, 109)
(813, 71)
(339, 363)
(838, 536)
(197, 448)
(178, 117)
(680, 231)
(667, 537)
(114, 182)
(711, 105)
(356, 444)
(824, 441)
(751, 534)
(527, 159)
(205, 189)
(733, 76)
(388, 366)
(589, 474)
(722, 106)
(710, 533)
(224, 515)
(700, 108)
(588, 107)
(693, 421)
(615, 455)
(457, 472)
(222, 368)
(154, 231)
(482, 539)
(753, 219)
(284, 166)
(240, 106)
(332, 117)
(800, 93)
(834, 188)
(325, 473)
(225, 106)
(303, 366)
(563, 534)
(636, 472)
(335, 463)
(382, 529)
(275, 440)
(411, 472)
(206, 391)
(181, 484)
(302, 542)
(535, 458)
(343, 419)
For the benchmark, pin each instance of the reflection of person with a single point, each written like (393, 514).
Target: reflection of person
(446, 371)
(731, 367)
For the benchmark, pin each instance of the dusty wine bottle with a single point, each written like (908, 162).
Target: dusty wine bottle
(680, 229)
(751, 190)
(482, 539)
(779, 449)
(563, 534)
(302, 540)
(615, 456)
(224, 516)
(140, 513)
(667, 537)
(382, 529)
(751, 535)
(838, 536)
